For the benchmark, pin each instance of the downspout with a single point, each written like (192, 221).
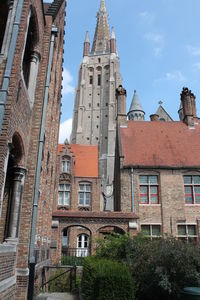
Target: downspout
(132, 192)
(32, 262)
(9, 63)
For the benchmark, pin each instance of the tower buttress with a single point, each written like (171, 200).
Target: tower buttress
(86, 49)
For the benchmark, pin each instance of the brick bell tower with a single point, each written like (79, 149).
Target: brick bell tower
(95, 107)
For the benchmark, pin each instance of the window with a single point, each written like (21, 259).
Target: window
(66, 166)
(187, 232)
(99, 79)
(149, 189)
(91, 79)
(151, 230)
(192, 189)
(64, 194)
(84, 194)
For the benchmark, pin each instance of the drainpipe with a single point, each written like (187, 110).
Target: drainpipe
(132, 192)
(9, 63)
(32, 261)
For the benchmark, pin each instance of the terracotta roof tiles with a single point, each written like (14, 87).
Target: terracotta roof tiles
(160, 144)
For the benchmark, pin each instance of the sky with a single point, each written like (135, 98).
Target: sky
(158, 43)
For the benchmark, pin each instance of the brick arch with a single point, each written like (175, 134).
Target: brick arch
(17, 149)
(118, 228)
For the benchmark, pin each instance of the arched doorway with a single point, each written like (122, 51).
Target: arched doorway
(76, 243)
(108, 230)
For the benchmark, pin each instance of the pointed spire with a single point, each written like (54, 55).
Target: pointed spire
(86, 48)
(113, 34)
(101, 42)
(136, 112)
(102, 6)
(87, 40)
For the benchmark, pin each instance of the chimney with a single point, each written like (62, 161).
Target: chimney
(189, 107)
(121, 105)
(154, 117)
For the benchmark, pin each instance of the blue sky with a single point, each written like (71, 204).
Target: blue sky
(159, 48)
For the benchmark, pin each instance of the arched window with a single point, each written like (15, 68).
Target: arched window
(31, 58)
(65, 165)
(84, 194)
(82, 245)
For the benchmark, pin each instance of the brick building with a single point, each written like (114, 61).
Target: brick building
(157, 171)
(78, 215)
(31, 54)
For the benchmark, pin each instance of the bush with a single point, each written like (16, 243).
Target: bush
(106, 280)
(163, 267)
(61, 284)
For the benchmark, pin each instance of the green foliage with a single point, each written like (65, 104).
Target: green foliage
(112, 247)
(106, 280)
(160, 268)
(163, 267)
(72, 260)
(61, 284)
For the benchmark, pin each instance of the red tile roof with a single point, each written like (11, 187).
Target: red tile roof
(86, 159)
(160, 144)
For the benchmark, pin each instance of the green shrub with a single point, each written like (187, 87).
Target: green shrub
(72, 260)
(61, 284)
(106, 280)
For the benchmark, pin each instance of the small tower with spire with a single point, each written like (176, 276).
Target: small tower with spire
(113, 46)
(86, 49)
(136, 112)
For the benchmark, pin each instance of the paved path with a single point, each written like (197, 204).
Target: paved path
(57, 296)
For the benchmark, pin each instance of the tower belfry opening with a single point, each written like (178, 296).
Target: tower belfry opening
(95, 108)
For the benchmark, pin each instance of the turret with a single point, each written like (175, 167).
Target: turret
(189, 107)
(86, 49)
(136, 112)
(113, 46)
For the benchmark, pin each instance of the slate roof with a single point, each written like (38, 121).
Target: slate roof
(160, 144)
(135, 104)
(86, 159)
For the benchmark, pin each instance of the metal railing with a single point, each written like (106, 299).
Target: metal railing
(71, 256)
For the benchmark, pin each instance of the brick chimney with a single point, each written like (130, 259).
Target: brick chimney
(189, 107)
(154, 118)
(121, 105)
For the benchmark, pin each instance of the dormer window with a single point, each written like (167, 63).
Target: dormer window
(65, 166)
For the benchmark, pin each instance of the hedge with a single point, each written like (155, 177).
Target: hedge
(106, 280)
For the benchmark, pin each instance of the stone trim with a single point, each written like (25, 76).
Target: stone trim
(22, 272)
(7, 283)
(8, 248)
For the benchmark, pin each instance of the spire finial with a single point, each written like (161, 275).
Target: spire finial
(103, 6)
(160, 102)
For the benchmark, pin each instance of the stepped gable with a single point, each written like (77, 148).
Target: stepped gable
(53, 8)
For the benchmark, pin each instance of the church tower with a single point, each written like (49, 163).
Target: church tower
(95, 109)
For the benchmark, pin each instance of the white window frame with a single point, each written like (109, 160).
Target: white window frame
(85, 192)
(65, 191)
(65, 166)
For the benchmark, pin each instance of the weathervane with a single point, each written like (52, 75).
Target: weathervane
(160, 102)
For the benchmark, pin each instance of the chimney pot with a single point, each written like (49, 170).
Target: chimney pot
(154, 118)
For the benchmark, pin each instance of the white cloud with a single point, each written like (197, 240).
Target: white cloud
(147, 17)
(176, 76)
(65, 130)
(68, 87)
(194, 51)
(154, 37)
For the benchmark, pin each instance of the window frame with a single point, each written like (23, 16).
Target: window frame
(85, 192)
(152, 236)
(187, 236)
(67, 162)
(63, 191)
(148, 186)
(192, 185)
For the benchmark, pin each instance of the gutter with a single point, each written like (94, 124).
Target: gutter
(32, 261)
(9, 64)
(161, 167)
(132, 192)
